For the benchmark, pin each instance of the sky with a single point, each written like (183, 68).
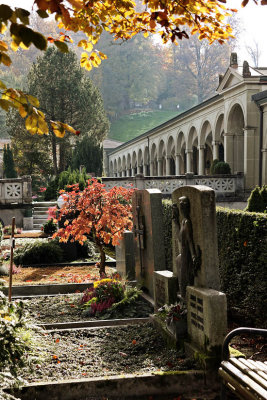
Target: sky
(253, 19)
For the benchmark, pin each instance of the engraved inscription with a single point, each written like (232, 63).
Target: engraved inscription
(197, 317)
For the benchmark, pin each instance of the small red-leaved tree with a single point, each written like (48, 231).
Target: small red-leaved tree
(103, 214)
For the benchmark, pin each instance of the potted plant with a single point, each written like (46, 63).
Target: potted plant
(176, 319)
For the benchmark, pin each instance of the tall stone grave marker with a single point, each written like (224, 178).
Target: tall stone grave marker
(148, 235)
(195, 263)
(125, 258)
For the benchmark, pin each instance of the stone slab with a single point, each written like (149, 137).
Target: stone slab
(118, 387)
(28, 290)
(165, 288)
(125, 258)
(203, 218)
(149, 247)
(206, 318)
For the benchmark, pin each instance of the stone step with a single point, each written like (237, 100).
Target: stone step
(44, 204)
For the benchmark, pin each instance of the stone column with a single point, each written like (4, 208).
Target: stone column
(201, 160)
(177, 164)
(215, 146)
(139, 169)
(160, 167)
(189, 160)
(128, 172)
(168, 165)
(146, 169)
(250, 157)
(151, 168)
(133, 173)
(229, 150)
(26, 189)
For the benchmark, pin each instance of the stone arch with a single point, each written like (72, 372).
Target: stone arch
(115, 168)
(134, 163)
(162, 158)
(111, 171)
(170, 161)
(234, 139)
(140, 162)
(146, 162)
(119, 167)
(124, 166)
(191, 149)
(129, 164)
(180, 154)
(154, 160)
(218, 139)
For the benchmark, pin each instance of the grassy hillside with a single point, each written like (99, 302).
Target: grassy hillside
(132, 125)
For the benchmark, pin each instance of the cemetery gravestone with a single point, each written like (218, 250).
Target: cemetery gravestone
(148, 236)
(125, 260)
(196, 266)
(165, 288)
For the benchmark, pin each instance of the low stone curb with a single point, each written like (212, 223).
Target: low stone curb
(51, 289)
(110, 263)
(95, 323)
(118, 386)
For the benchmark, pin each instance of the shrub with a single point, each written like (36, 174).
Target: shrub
(257, 201)
(242, 244)
(65, 178)
(39, 252)
(214, 162)
(17, 348)
(221, 168)
(50, 227)
(107, 297)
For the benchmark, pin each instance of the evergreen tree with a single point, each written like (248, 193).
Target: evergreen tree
(90, 154)
(8, 163)
(69, 97)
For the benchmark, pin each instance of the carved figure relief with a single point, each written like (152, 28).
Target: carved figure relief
(188, 261)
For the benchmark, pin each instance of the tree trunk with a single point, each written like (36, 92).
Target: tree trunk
(54, 152)
(102, 264)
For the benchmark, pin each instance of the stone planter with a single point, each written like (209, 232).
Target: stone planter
(178, 328)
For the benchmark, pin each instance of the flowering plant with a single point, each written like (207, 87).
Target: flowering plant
(174, 312)
(102, 295)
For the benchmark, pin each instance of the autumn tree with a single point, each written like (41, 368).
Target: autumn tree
(102, 214)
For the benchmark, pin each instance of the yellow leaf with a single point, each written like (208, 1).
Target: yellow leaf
(2, 85)
(22, 111)
(5, 104)
(33, 100)
(3, 46)
(31, 124)
(5, 59)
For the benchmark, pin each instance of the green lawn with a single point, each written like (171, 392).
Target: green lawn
(132, 125)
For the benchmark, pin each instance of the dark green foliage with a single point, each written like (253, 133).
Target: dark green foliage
(38, 253)
(214, 162)
(8, 163)
(221, 168)
(167, 228)
(257, 200)
(50, 227)
(51, 192)
(65, 178)
(90, 154)
(242, 239)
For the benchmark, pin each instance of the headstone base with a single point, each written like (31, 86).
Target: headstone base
(206, 319)
(165, 288)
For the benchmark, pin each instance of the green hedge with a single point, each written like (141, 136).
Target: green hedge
(242, 246)
(38, 253)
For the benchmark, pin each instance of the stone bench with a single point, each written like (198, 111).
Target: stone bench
(247, 379)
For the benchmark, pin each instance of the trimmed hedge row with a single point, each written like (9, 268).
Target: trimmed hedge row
(242, 246)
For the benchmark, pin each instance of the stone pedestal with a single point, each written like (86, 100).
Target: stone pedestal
(206, 319)
(165, 288)
(125, 260)
(28, 223)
